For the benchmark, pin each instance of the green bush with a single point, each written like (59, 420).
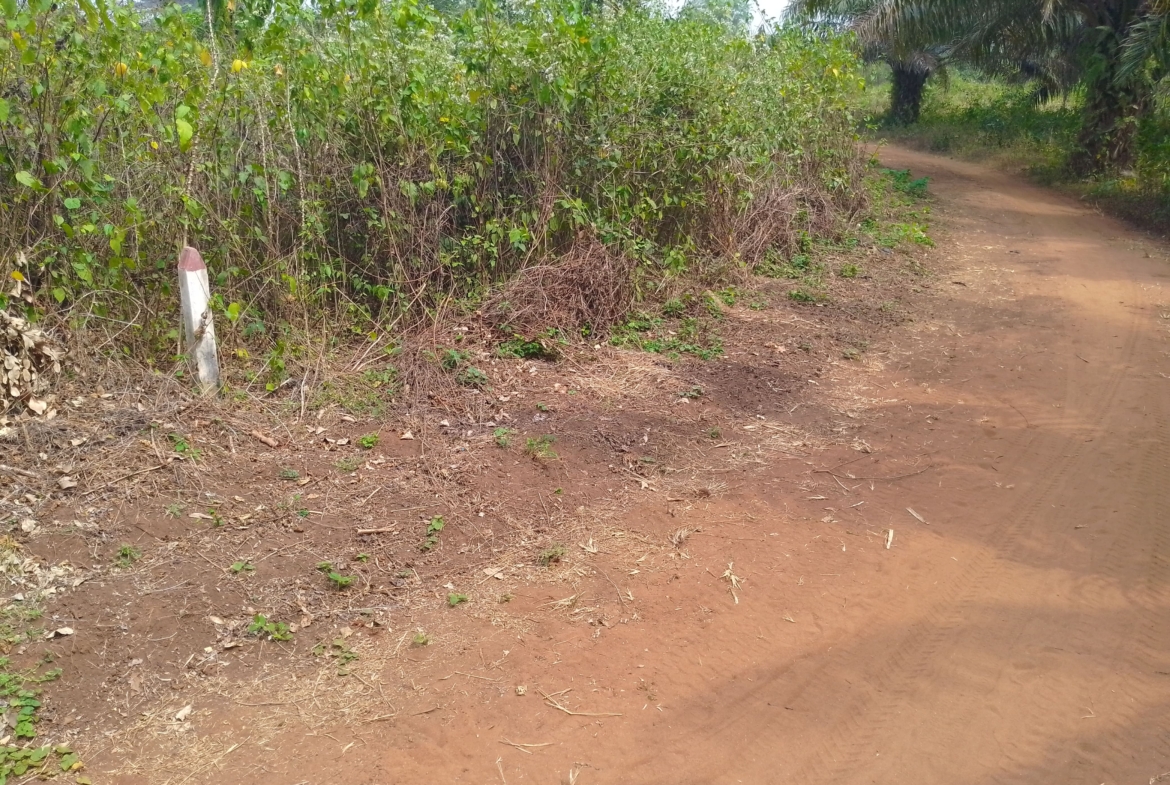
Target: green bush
(376, 157)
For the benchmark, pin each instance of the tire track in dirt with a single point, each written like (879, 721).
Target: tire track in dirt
(848, 745)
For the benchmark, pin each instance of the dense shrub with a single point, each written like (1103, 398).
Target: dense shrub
(377, 158)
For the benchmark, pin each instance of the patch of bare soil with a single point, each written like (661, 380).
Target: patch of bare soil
(271, 560)
(857, 547)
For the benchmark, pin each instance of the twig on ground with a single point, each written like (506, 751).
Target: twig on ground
(273, 443)
(22, 472)
(888, 479)
(124, 477)
(555, 705)
(522, 747)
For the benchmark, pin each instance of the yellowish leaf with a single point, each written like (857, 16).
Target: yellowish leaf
(238, 65)
(17, 275)
(205, 58)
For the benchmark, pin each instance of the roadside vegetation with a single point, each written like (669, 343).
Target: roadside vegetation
(1077, 90)
(371, 167)
(988, 119)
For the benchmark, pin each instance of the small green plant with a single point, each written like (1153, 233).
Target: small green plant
(848, 271)
(502, 437)
(338, 580)
(126, 556)
(472, 377)
(348, 464)
(805, 296)
(519, 348)
(339, 651)
(368, 442)
(362, 557)
(713, 433)
(182, 446)
(421, 639)
(901, 181)
(543, 407)
(217, 520)
(673, 308)
(452, 359)
(289, 474)
(454, 599)
(23, 701)
(693, 393)
(552, 555)
(650, 334)
(435, 526)
(174, 510)
(275, 630)
(851, 353)
(540, 447)
(241, 566)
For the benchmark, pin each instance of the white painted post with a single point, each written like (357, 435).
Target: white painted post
(198, 328)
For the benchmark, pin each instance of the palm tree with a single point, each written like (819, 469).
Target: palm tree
(910, 69)
(1107, 45)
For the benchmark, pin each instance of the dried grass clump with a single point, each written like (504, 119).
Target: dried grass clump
(590, 285)
(777, 211)
(29, 358)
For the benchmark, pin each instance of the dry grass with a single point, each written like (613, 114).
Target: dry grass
(590, 285)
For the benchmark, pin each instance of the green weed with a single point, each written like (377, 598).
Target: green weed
(503, 437)
(182, 446)
(454, 599)
(126, 556)
(348, 464)
(902, 182)
(20, 693)
(435, 526)
(552, 555)
(275, 630)
(519, 348)
(334, 577)
(540, 447)
(368, 442)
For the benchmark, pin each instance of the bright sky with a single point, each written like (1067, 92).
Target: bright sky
(771, 8)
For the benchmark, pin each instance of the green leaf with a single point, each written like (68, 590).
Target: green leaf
(4, 109)
(185, 133)
(72, 203)
(233, 312)
(26, 179)
(59, 294)
(68, 761)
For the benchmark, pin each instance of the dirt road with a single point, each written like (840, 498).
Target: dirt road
(1018, 633)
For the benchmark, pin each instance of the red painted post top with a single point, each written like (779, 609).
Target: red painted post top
(190, 261)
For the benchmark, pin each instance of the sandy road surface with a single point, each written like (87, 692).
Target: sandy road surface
(1020, 635)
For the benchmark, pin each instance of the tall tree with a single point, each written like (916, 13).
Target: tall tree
(910, 68)
(1090, 37)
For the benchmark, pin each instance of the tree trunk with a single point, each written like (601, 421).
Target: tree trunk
(906, 93)
(1113, 106)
